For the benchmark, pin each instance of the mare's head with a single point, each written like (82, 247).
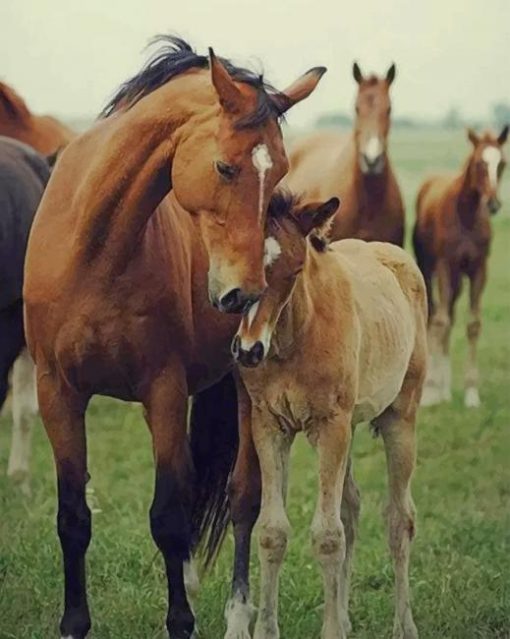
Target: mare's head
(372, 122)
(290, 233)
(228, 156)
(486, 165)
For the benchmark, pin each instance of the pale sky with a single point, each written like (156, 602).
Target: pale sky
(66, 57)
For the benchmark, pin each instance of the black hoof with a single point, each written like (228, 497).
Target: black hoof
(75, 624)
(180, 625)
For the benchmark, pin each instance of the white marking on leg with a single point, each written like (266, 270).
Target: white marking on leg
(272, 251)
(492, 157)
(471, 398)
(238, 615)
(373, 148)
(262, 163)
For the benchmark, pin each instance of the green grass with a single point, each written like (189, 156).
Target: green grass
(461, 557)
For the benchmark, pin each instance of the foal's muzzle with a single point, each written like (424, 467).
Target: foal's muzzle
(249, 358)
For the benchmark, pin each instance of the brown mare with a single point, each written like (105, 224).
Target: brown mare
(121, 278)
(452, 239)
(43, 132)
(337, 338)
(357, 169)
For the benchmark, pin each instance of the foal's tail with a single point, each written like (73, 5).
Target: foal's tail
(214, 441)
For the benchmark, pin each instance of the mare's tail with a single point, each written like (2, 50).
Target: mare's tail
(214, 442)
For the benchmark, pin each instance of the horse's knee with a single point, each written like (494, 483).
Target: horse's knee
(273, 539)
(473, 329)
(401, 527)
(328, 543)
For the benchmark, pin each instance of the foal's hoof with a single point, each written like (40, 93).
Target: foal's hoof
(471, 398)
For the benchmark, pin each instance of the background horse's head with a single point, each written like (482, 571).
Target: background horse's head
(372, 122)
(486, 165)
(288, 226)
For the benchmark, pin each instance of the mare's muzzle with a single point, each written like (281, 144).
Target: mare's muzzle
(249, 358)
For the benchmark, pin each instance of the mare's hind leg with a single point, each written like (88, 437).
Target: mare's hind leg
(63, 416)
(477, 284)
(328, 536)
(170, 513)
(24, 410)
(244, 497)
(273, 448)
(350, 516)
(397, 426)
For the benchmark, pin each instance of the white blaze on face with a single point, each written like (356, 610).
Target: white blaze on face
(373, 148)
(272, 251)
(262, 163)
(491, 155)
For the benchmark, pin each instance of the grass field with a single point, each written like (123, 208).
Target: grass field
(461, 557)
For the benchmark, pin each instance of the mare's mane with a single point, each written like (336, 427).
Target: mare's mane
(175, 57)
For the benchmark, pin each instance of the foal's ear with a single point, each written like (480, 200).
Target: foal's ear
(317, 216)
(503, 135)
(390, 75)
(298, 90)
(230, 96)
(473, 136)
(356, 73)
(13, 104)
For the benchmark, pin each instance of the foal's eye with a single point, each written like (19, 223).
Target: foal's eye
(227, 171)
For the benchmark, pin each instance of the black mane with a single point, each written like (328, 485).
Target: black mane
(174, 57)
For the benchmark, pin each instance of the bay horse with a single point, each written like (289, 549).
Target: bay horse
(452, 238)
(44, 133)
(23, 177)
(337, 338)
(128, 289)
(357, 169)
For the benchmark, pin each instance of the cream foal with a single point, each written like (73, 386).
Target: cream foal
(339, 337)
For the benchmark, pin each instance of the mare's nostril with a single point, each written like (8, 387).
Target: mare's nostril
(232, 302)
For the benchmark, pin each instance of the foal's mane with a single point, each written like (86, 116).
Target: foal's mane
(175, 57)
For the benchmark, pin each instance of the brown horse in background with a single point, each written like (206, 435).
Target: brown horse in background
(121, 279)
(42, 132)
(357, 169)
(452, 238)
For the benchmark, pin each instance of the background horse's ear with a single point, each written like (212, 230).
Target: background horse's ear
(12, 103)
(298, 90)
(473, 137)
(503, 135)
(356, 73)
(230, 96)
(390, 76)
(317, 216)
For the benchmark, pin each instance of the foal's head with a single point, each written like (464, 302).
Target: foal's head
(486, 166)
(288, 228)
(372, 123)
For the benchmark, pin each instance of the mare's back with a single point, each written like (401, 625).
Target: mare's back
(23, 176)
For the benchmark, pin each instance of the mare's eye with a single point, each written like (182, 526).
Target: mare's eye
(227, 171)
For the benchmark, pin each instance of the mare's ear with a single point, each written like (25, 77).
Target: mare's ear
(229, 95)
(503, 135)
(356, 73)
(299, 90)
(390, 75)
(473, 136)
(12, 103)
(317, 216)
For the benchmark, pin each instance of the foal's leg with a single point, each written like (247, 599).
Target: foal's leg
(24, 410)
(170, 513)
(477, 284)
(350, 516)
(63, 416)
(273, 448)
(244, 496)
(397, 425)
(328, 537)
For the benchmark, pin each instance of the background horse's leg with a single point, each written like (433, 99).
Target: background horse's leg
(170, 513)
(477, 284)
(273, 448)
(24, 410)
(244, 496)
(350, 516)
(328, 537)
(63, 417)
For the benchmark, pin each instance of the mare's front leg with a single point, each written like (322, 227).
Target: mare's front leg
(477, 284)
(62, 412)
(244, 497)
(170, 513)
(273, 448)
(328, 537)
